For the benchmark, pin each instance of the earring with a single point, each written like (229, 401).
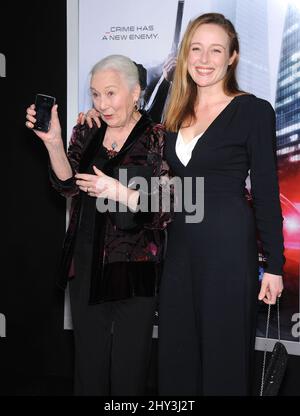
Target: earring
(135, 107)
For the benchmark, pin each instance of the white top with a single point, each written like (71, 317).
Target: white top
(184, 150)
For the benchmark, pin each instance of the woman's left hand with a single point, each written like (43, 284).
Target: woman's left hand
(98, 185)
(103, 186)
(271, 288)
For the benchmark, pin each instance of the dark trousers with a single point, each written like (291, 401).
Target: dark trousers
(112, 343)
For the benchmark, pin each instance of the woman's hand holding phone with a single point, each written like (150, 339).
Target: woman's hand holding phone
(45, 123)
(53, 136)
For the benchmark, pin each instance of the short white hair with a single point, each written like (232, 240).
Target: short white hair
(121, 64)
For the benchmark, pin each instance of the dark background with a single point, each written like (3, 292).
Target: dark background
(36, 349)
(37, 354)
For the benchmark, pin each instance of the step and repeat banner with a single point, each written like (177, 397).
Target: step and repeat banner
(149, 32)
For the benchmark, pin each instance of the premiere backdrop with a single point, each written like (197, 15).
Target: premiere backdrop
(49, 48)
(269, 32)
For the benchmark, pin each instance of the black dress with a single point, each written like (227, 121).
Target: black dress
(209, 288)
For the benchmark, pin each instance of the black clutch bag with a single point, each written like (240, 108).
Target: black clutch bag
(273, 371)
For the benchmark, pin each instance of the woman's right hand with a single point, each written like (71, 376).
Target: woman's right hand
(53, 136)
(89, 116)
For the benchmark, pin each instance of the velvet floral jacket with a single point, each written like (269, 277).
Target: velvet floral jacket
(119, 239)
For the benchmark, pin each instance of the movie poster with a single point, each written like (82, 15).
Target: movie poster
(149, 32)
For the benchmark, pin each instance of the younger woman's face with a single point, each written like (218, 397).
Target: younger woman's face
(208, 57)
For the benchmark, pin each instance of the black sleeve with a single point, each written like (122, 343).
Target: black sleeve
(264, 184)
(67, 188)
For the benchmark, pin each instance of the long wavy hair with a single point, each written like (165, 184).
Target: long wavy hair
(181, 106)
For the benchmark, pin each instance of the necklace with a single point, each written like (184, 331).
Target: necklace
(114, 144)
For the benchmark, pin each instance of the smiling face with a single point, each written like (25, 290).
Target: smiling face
(208, 56)
(113, 98)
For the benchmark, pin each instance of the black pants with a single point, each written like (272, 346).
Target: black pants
(112, 343)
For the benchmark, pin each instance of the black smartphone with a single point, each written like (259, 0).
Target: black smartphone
(43, 106)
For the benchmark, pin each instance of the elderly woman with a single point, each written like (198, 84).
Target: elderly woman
(111, 259)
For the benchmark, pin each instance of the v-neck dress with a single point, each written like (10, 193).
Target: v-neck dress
(209, 288)
(184, 150)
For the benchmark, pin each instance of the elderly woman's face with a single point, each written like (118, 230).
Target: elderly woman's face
(113, 98)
